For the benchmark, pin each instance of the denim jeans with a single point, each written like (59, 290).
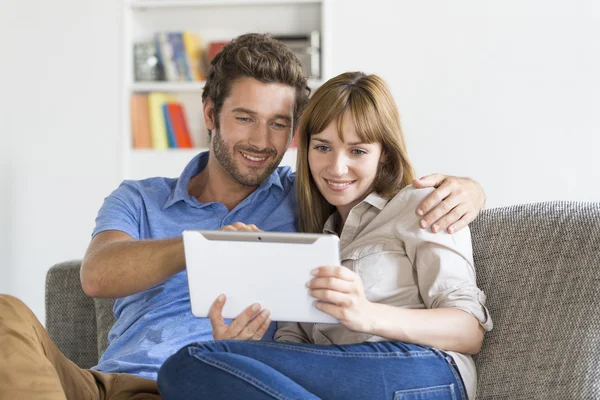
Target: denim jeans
(272, 370)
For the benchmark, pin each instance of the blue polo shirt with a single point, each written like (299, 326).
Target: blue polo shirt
(154, 324)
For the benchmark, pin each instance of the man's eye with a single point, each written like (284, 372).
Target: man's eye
(280, 126)
(243, 119)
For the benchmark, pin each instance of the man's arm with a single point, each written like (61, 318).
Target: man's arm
(116, 265)
(454, 204)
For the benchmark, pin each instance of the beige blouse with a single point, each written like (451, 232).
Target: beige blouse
(402, 265)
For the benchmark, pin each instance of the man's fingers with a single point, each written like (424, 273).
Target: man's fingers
(433, 180)
(252, 328)
(238, 324)
(263, 329)
(461, 223)
(215, 314)
(433, 199)
(454, 215)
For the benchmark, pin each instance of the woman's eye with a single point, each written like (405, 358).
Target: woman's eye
(358, 152)
(321, 148)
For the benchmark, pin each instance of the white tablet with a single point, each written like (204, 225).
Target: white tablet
(268, 268)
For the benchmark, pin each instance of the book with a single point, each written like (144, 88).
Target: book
(141, 136)
(169, 127)
(179, 56)
(307, 47)
(164, 52)
(214, 48)
(157, 119)
(146, 67)
(179, 125)
(193, 50)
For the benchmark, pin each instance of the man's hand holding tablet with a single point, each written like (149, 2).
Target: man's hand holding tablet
(253, 323)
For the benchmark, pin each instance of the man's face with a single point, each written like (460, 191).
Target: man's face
(255, 129)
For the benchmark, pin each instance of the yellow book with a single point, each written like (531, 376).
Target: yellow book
(193, 52)
(157, 119)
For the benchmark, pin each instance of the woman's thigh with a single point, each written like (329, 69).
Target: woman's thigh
(356, 371)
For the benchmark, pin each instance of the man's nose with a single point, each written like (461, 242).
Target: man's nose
(259, 137)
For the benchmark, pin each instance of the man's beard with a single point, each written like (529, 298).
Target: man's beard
(226, 158)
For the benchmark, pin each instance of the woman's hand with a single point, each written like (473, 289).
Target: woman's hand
(241, 227)
(341, 294)
(249, 325)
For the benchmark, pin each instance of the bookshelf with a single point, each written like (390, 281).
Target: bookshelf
(212, 20)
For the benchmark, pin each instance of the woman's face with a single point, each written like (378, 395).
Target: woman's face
(343, 171)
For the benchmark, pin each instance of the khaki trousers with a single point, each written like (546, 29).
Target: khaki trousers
(32, 367)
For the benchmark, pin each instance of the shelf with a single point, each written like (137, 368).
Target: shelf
(188, 86)
(167, 86)
(147, 4)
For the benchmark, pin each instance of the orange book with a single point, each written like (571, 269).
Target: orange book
(180, 126)
(140, 122)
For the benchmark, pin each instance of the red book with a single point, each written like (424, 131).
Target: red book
(214, 48)
(180, 126)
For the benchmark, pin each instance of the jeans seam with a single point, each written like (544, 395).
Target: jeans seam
(433, 389)
(454, 368)
(240, 374)
(342, 354)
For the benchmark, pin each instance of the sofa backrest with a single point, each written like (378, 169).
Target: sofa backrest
(539, 265)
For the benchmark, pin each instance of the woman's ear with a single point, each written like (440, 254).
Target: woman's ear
(383, 158)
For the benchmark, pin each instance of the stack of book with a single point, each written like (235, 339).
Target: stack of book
(171, 56)
(158, 122)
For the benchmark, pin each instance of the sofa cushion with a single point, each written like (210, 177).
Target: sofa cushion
(105, 319)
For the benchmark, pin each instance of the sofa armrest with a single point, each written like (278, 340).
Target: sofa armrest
(71, 315)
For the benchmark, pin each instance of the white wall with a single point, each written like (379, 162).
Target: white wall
(59, 79)
(507, 92)
(503, 91)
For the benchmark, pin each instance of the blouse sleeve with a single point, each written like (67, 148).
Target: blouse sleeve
(444, 265)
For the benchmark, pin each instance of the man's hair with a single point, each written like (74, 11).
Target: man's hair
(255, 56)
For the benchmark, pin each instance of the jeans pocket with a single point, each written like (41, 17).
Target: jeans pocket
(443, 392)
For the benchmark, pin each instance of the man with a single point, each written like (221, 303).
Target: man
(253, 96)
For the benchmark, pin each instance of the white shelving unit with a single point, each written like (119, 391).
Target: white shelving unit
(212, 20)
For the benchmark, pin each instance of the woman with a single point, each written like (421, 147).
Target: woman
(409, 309)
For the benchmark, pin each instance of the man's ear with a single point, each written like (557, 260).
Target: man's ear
(208, 108)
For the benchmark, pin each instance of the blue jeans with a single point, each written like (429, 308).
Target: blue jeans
(272, 370)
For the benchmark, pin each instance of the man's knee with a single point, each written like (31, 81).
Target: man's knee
(12, 305)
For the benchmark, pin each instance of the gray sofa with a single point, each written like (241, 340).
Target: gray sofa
(539, 265)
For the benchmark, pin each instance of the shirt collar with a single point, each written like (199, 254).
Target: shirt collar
(195, 166)
(372, 199)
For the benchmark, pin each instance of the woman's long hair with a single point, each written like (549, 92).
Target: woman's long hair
(368, 100)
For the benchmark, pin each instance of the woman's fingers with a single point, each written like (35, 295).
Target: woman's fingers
(332, 283)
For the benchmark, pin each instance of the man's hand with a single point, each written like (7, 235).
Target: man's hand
(249, 325)
(457, 202)
(240, 227)
(340, 293)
